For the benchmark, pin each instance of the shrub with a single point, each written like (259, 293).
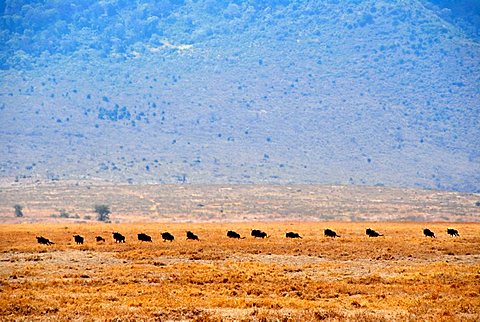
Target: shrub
(64, 214)
(103, 212)
(18, 211)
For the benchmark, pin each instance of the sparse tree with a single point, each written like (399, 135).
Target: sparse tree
(103, 212)
(18, 211)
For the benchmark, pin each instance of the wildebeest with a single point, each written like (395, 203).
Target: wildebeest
(78, 239)
(428, 233)
(233, 234)
(99, 239)
(330, 233)
(191, 236)
(144, 237)
(119, 238)
(453, 232)
(44, 241)
(258, 233)
(167, 236)
(372, 233)
(291, 234)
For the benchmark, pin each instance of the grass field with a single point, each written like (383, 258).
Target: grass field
(401, 276)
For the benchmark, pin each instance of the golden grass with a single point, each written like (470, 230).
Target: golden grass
(402, 276)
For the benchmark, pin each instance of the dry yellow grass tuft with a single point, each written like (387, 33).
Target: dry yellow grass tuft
(401, 276)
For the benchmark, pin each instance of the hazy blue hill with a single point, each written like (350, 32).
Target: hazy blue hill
(360, 92)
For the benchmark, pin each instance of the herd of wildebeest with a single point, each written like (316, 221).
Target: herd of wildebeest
(166, 236)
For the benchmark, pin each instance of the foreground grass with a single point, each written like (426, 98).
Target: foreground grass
(402, 276)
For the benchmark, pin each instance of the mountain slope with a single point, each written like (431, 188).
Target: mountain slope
(365, 92)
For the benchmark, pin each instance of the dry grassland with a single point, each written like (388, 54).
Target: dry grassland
(402, 276)
(235, 203)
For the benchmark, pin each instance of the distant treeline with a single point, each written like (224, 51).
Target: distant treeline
(32, 29)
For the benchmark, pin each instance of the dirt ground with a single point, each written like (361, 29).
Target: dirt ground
(233, 203)
(402, 275)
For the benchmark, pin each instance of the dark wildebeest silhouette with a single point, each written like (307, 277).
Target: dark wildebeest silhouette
(167, 236)
(372, 233)
(453, 232)
(233, 234)
(258, 233)
(78, 239)
(99, 239)
(144, 237)
(119, 238)
(330, 233)
(291, 234)
(191, 236)
(44, 241)
(428, 233)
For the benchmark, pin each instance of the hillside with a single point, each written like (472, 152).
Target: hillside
(344, 92)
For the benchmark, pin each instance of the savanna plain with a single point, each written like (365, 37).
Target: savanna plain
(402, 275)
